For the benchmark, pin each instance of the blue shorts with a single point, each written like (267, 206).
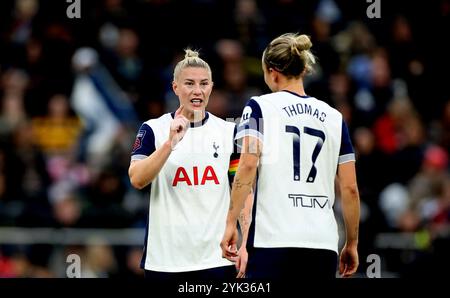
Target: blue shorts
(289, 263)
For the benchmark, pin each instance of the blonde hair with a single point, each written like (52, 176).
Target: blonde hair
(191, 59)
(290, 54)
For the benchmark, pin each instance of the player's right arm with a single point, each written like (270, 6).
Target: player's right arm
(348, 263)
(350, 208)
(245, 219)
(143, 171)
(250, 137)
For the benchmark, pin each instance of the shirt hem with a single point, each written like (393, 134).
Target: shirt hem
(187, 268)
(296, 245)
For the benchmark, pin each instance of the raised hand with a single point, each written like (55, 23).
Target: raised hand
(178, 127)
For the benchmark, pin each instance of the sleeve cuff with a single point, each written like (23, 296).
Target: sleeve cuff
(346, 158)
(248, 133)
(138, 157)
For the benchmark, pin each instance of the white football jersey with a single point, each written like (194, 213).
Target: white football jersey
(189, 198)
(304, 140)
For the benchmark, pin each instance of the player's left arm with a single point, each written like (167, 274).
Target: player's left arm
(242, 188)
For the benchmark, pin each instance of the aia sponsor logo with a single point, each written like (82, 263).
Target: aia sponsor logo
(192, 177)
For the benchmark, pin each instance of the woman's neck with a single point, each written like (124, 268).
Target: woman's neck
(293, 85)
(195, 116)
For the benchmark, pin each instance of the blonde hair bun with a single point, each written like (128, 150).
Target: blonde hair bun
(303, 42)
(191, 59)
(190, 53)
(290, 54)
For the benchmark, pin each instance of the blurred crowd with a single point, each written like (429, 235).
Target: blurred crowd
(73, 93)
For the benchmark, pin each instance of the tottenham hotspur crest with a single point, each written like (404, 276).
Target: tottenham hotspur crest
(215, 149)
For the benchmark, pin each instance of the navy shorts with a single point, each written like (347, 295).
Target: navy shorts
(290, 263)
(218, 273)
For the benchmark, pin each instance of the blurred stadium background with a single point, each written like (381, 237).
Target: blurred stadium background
(74, 91)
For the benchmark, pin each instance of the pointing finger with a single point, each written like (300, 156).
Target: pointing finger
(179, 111)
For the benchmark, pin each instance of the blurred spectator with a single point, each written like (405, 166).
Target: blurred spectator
(102, 106)
(407, 62)
(369, 166)
(27, 178)
(251, 26)
(98, 260)
(57, 134)
(235, 77)
(327, 13)
(12, 114)
(14, 264)
(394, 202)
(443, 127)
(58, 131)
(22, 23)
(104, 198)
(428, 187)
(440, 219)
(133, 261)
(124, 62)
(66, 206)
(401, 135)
(14, 83)
(219, 104)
